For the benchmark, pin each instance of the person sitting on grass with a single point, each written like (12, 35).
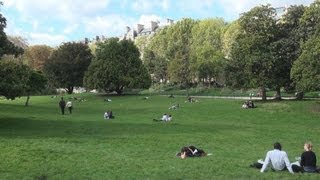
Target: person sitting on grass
(279, 160)
(245, 105)
(174, 107)
(251, 104)
(190, 151)
(308, 160)
(108, 115)
(165, 118)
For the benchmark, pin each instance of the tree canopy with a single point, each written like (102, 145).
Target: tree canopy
(66, 66)
(117, 66)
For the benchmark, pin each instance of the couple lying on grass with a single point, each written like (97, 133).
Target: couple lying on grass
(280, 162)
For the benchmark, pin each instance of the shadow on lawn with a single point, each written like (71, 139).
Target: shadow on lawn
(29, 128)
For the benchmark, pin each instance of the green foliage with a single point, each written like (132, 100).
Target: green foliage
(306, 69)
(7, 47)
(117, 66)
(66, 66)
(39, 142)
(13, 79)
(310, 21)
(207, 49)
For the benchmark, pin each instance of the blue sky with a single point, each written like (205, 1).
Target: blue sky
(52, 22)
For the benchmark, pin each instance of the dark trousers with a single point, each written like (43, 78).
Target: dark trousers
(70, 110)
(62, 110)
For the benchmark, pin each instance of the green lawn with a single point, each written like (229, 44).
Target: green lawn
(38, 142)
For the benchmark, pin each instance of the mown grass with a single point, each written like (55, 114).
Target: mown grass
(37, 142)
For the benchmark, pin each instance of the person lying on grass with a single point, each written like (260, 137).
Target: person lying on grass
(191, 151)
(165, 118)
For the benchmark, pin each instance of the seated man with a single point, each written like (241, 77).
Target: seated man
(279, 160)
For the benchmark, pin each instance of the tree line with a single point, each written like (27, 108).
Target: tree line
(261, 49)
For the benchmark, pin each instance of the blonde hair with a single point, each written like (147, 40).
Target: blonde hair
(308, 145)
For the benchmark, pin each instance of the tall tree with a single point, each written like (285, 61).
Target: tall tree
(286, 48)
(67, 65)
(117, 66)
(306, 70)
(260, 30)
(206, 49)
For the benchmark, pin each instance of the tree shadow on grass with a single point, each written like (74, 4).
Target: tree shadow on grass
(30, 128)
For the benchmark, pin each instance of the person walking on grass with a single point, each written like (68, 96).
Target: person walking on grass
(62, 105)
(69, 106)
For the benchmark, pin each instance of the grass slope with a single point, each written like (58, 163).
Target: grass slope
(38, 142)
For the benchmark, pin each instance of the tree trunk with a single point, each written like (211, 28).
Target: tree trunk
(264, 93)
(27, 102)
(278, 94)
(69, 90)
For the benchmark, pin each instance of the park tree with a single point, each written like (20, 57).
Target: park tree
(286, 48)
(206, 49)
(306, 69)
(252, 50)
(36, 82)
(6, 46)
(156, 65)
(37, 56)
(117, 66)
(310, 21)
(13, 79)
(66, 66)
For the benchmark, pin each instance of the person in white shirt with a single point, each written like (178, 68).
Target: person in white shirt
(69, 106)
(279, 160)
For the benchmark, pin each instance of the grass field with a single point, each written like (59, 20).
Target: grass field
(37, 142)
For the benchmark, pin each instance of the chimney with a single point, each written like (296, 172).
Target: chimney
(128, 29)
(86, 40)
(97, 38)
(139, 28)
(169, 21)
(154, 25)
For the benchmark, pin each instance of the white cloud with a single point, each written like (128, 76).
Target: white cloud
(147, 6)
(110, 25)
(44, 38)
(237, 7)
(71, 28)
(146, 20)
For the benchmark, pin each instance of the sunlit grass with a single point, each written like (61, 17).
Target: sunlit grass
(38, 142)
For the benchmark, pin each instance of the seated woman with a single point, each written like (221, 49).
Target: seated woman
(108, 115)
(245, 105)
(191, 151)
(308, 162)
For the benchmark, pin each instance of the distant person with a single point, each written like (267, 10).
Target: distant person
(191, 151)
(308, 160)
(108, 115)
(69, 106)
(165, 117)
(62, 105)
(251, 104)
(171, 96)
(174, 107)
(245, 105)
(279, 160)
